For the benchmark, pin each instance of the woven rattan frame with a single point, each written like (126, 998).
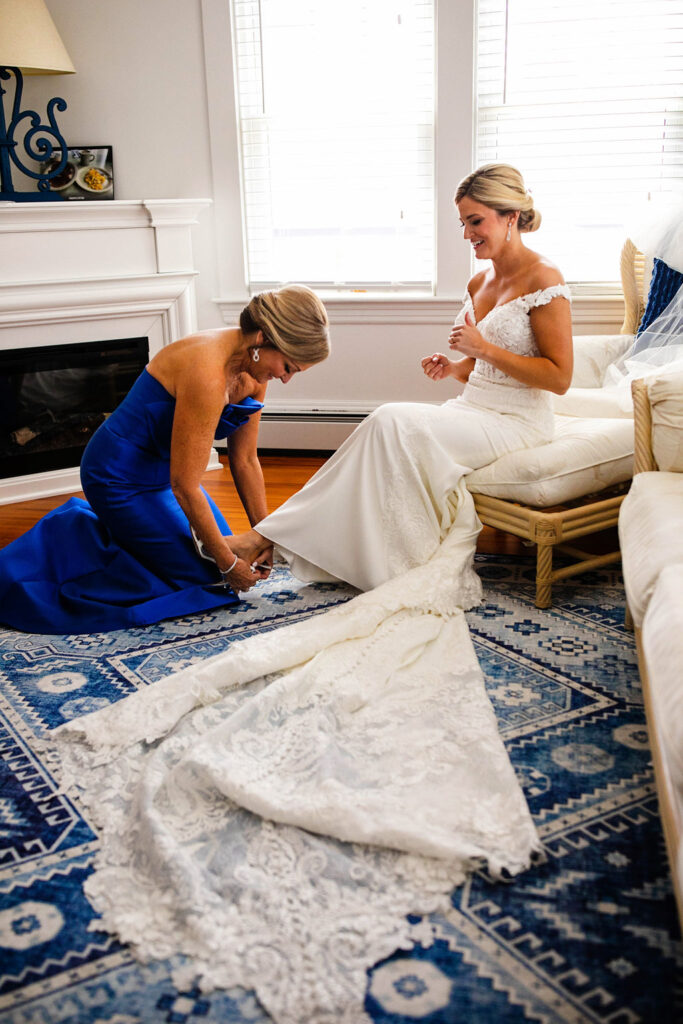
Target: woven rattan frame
(555, 528)
(643, 456)
(632, 266)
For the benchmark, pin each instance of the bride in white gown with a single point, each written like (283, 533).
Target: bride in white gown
(387, 499)
(274, 813)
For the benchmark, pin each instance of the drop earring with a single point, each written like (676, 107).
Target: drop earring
(254, 355)
(509, 234)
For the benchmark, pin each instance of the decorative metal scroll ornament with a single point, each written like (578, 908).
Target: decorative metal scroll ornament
(40, 142)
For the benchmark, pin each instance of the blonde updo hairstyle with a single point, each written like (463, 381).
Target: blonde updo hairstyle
(293, 320)
(501, 188)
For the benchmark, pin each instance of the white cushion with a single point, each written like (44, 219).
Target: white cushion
(608, 403)
(666, 404)
(593, 353)
(650, 534)
(662, 643)
(585, 456)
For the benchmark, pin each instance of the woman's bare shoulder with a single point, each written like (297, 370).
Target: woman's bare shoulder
(200, 357)
(475, 283)
(542, 273)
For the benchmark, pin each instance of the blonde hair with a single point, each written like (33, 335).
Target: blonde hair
(293, 319)
(501, 188)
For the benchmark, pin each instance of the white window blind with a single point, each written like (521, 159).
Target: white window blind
(336, 122)
(585, 98)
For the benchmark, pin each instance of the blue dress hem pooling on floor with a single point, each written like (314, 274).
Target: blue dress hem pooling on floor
(124, 557)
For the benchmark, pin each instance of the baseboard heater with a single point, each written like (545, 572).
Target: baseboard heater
(312, 416)
(307, 429)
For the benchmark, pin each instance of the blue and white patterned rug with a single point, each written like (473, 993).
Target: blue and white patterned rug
(591, 935)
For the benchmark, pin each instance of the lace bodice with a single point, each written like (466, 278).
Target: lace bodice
(509, 327)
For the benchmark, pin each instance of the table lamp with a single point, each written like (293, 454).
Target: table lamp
(29, 44)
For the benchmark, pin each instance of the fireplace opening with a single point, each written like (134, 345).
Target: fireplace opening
(53, 399)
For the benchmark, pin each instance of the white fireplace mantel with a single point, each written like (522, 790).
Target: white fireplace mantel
(93, 271)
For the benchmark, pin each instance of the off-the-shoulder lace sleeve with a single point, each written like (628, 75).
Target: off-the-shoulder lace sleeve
(545, 295)
(467, 306)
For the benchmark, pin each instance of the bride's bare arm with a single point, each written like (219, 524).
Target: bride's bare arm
(551, 370)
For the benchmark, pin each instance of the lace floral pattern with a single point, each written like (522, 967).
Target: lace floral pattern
(508, 325)
(415, 513)
(274, 813)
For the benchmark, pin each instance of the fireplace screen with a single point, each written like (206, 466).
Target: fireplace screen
(53, 399)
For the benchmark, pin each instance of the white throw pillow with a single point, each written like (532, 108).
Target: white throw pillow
(666, 403)
(593, 353)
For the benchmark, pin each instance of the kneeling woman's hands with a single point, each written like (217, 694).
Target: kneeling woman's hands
(244, 576)
(263, 563)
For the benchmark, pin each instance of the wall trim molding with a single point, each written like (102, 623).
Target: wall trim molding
(603, 308)
(117, 213)
(33, 302)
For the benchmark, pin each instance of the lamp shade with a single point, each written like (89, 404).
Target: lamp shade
(29, 40)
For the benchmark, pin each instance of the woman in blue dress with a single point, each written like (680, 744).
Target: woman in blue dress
(149, 543)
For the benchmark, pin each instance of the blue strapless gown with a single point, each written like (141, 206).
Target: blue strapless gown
(125, 557)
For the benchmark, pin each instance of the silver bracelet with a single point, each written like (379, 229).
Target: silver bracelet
(226, 572)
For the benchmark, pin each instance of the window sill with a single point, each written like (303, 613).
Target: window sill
(599, 305)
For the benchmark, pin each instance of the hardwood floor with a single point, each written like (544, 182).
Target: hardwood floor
(284, 475)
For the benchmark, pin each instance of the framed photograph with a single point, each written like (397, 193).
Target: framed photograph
(88, 174)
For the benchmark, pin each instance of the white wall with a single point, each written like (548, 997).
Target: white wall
(141, 87)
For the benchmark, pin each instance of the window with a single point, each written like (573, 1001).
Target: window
(585, 98)
(336, 130)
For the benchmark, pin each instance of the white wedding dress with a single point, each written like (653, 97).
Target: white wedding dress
(388, 497)
(276, 811)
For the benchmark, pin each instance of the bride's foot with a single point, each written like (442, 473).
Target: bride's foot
(252, 547)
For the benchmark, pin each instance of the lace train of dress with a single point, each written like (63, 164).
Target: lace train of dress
(275, 812)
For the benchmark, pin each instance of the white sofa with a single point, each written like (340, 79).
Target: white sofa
(651, 540)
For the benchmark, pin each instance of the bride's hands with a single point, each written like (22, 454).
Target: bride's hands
(437, 367)
(468, 340)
